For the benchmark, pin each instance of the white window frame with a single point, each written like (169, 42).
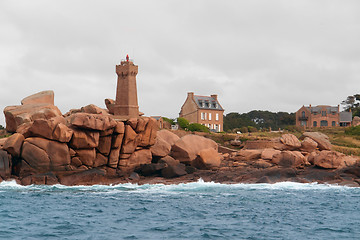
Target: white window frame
(217, 117)
(202, 116)
(210, 116)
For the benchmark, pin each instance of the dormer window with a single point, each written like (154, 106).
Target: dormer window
(214, 104)
(201, 103)
(207, 104)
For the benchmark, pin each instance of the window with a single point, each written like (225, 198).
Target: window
(303, 114)
(205, 115)
(303, 123)
(209, 116)
(315, 123)
(333, 123)
(202, 116)
(207, 104)
(324, 123)
(214, 105)
(217, 117)
(323, 113)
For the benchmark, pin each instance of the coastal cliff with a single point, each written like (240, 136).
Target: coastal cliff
(90, 146)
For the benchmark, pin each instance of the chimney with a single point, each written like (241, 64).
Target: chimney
(214, 96)
(338, 108)
(190, 94)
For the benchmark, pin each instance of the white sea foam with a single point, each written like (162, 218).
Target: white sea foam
(199, 186)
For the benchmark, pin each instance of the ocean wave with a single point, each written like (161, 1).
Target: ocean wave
(199, 186)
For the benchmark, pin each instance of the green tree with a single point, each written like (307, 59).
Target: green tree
(352, 103)
(197, 127)
(183, 123)
(1, 127)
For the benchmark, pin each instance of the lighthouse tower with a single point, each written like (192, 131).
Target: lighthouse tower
(126, 102)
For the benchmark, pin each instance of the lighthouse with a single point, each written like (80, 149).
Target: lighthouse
(126, 102)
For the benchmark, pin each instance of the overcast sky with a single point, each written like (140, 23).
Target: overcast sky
(255, 54)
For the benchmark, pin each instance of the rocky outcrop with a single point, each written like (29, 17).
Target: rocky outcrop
(46, 97)
(207, 159)
(13, 144)
(333, 160)
(188, 147)
(321, 139)
(15, 116)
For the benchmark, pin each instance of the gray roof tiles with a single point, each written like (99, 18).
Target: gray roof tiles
(205, 102)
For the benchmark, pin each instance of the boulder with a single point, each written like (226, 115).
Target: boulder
(289, 159)
(53, 129)
(136, 159)
(160, 148)
(321, 139)
(5, 164)
(84, 139)
(24, 129)
(151, 169)
(105, 145)
(114, 158)
(132, 122)
(117, 140)
(167, 136)
(75, 161)
(17, 115)
(43, 178)
(148, 137)
(45, 155)
(268, 153)
(332, 160)
(13, 144)
(261, 164)
(46, 97)
(100, 160)
(169, 160)
(119, 128)
(87, 177)
(187, 148)
(356, 121)
(92, 121)
(86, 156)
(290, 141)
(130, 141)
(308, 145)
(93, 109)
(235, 143)
(207, 159)
(172, 171)
(110, 104)
(141, 124)
(248, 154)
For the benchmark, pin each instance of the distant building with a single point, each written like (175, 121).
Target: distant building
(322, 116)
(205, 110)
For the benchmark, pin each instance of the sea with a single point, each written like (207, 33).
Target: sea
(198, 210)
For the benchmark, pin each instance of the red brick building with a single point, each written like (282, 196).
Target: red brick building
(205, 110)
(322, 116)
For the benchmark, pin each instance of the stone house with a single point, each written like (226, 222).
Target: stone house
(205, 110)
(322, 116)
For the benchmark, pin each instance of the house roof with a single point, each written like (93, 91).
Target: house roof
(345, 116)
(206, 102)
(317, 109)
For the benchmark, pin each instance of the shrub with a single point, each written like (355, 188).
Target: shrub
(244, 129)
(197, 127)
(1, 127)
(183, 123)
(169, 120)
(353, 131)
(252, 129)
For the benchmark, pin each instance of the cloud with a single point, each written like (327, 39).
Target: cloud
(268, 55)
